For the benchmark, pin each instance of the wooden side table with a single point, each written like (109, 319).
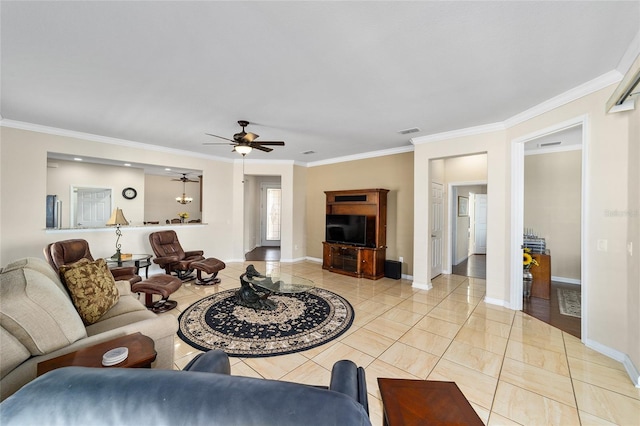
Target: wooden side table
(424, 402)
(141, 354)
(541, 284)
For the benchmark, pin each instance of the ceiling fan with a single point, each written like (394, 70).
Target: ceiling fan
(244, 142)
(185, 179)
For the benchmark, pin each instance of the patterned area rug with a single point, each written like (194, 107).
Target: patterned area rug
(300, 321)
(570, 302)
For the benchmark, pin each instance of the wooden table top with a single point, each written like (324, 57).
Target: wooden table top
(419, 402)
(141, 354)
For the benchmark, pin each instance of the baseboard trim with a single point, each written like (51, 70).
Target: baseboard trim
(499, 302)
(632, 370)
(566, 280)
(422, 286)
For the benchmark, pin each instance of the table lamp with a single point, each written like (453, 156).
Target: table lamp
(117, 219)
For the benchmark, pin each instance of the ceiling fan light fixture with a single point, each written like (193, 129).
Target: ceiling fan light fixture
(243, 149)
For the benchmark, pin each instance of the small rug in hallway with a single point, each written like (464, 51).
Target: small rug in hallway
(300, 321)
(569, 302)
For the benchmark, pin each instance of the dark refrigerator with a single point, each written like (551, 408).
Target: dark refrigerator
(53, 212)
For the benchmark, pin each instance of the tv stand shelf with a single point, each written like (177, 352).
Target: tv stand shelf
(359, 262)
(353, 260)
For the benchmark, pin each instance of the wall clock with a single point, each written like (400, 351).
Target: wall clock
(129, 193)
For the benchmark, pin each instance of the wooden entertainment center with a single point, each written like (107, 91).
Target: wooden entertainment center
(355, 260)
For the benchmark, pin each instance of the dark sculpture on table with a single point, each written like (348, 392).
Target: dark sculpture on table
(253, 296)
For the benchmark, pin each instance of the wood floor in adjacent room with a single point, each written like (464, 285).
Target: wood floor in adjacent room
(542, 309)
(512, 367)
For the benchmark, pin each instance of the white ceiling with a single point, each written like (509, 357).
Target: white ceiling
(337, 78)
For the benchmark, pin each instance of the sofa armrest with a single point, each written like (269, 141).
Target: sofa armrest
(193, 253)
(124, 287)
(350, 380)
(215, 361)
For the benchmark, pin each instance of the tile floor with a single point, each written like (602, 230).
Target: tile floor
(513, 368)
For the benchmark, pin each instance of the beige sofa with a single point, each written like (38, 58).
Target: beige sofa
(39, 321)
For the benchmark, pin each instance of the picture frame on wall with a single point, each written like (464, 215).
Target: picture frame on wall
(463, 206)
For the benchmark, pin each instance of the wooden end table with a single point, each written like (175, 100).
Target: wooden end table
(419, 402)
(141, 354)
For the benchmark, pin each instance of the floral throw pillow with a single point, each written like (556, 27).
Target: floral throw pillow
(92, 288)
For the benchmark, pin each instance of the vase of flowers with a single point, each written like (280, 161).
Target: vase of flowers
(527, 277)
(183, 216)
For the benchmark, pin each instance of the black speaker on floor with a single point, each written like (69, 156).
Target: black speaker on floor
(393, 269)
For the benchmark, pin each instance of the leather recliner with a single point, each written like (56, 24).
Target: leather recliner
(204, 394)
(170, 254)
(70, 251)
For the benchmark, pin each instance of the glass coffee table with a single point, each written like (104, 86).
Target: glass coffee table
(256, 288)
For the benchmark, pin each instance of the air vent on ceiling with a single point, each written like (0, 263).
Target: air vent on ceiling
(542, 145)
(410, 130)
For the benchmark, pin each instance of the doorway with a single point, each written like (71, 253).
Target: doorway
(469, 229)
(90, 207)
(548, 196)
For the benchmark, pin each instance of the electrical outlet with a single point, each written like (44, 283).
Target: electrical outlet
(602, 245)
(400, 259)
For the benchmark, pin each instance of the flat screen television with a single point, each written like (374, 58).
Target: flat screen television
(346, 229)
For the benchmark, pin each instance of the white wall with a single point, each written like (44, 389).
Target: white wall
(552, 208)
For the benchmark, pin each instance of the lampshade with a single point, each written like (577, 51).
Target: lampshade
(117, 218)
(243, 149)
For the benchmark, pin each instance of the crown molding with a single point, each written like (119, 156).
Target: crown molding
(372, 154)
(104, 139)
(468, 131)
(607, 79)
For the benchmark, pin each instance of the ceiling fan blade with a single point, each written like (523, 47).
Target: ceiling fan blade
(273, 143)
(261, 148)
(219, 143)
(221, 137)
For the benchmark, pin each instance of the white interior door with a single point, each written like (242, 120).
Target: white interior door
(480, 224)
(93, 207)
(270, 208)
(437, 214)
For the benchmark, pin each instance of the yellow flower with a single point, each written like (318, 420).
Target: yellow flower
(527, 260)
(183, 215)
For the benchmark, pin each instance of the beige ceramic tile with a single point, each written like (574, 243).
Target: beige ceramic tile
(576, 349)
(309, 373)
(391, 329)
(479, 359)
(538, 357)
(529, 408)
(402, 316)
(410, 359)
(587, 419)
(276, 366)
(341, 351)
(242, 369)
(486, 341)
(448, 315)
(440, 327)
(607, 405)
(497, 420)
(538, 380)
(604, 377)
(416, 307)
(475, 386)
(368, 342)
(482, 323)
(426, 341)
